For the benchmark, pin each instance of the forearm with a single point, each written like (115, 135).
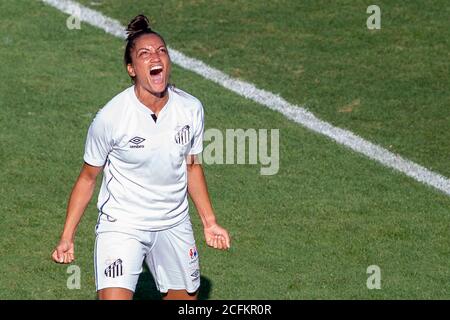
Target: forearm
(198, 192)
(79, 199)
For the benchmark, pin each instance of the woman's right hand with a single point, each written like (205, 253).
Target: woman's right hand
(64, 252)
(79, 199)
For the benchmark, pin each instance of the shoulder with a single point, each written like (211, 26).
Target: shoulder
(186, 100)
(114, 109)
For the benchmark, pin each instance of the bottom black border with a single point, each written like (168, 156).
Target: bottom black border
(215, 309)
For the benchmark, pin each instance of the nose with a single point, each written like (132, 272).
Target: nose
(154, 56)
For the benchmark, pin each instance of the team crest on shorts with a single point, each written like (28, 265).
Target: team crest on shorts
(182, 136)
(115, 269)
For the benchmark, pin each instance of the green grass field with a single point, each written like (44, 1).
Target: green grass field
(309, 232)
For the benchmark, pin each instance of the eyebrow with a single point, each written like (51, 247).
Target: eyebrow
(162, 46)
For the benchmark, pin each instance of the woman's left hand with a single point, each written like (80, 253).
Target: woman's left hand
(217, 237)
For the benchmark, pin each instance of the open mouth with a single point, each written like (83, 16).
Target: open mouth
(156, 74)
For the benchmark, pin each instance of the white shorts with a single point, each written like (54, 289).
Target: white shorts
(171, 256)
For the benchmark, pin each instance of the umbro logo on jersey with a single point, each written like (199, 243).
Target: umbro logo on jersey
(136, 142)
(183, 135)
(115, 269)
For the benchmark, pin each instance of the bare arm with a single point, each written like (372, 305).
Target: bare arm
(79, 199)
(215, 235)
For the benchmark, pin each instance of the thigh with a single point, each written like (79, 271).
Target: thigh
(179, 295)
(115, 294)
(118, 260)
(173, 260)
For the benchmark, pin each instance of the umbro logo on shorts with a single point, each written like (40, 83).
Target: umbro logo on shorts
(115, 269)
(183, 135)
(136, 142)
(195, 275)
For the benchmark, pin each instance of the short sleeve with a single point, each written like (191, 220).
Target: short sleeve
(99, 141)
(197, 139)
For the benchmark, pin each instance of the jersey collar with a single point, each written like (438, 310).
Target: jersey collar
(144, 108)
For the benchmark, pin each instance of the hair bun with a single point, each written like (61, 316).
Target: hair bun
(138, 24)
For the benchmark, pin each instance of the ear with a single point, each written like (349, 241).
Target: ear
(130, 70)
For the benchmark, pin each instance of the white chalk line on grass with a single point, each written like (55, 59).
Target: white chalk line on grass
(268, 99)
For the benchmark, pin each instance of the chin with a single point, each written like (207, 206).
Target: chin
(159, 91)
(154, 89)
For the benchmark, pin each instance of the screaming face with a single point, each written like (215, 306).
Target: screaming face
(150, 65)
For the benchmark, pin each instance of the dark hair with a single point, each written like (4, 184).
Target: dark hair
(137, 27)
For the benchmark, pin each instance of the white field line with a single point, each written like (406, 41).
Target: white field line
(270, 100)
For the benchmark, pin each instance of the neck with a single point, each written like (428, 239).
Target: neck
(154, 101)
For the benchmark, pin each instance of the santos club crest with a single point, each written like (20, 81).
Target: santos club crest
(182, 136)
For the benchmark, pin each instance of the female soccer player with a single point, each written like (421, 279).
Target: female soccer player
(145, 140)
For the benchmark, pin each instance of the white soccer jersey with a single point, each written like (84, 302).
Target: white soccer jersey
(144, 177)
